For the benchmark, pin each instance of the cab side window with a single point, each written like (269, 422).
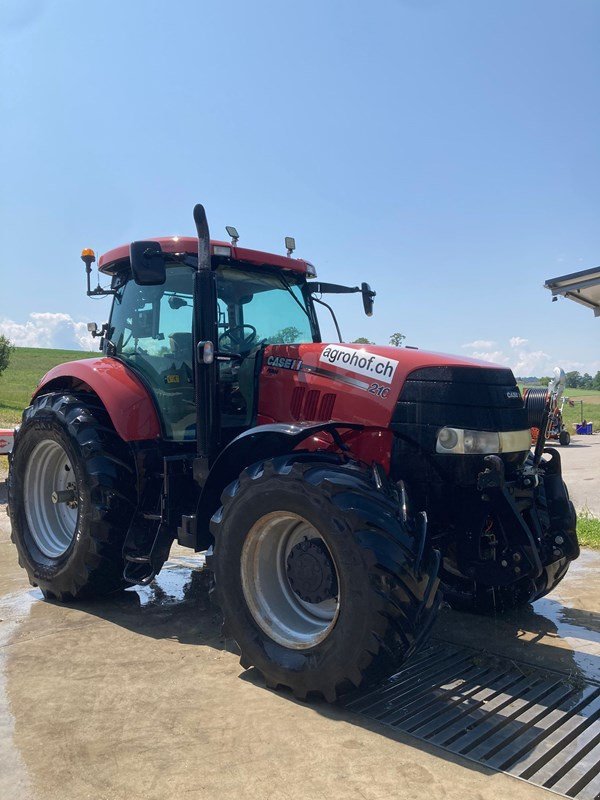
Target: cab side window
(151, 329)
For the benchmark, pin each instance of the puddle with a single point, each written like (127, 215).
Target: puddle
(174, 584)
(579, 629)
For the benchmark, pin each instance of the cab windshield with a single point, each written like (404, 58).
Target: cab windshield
(151, 329)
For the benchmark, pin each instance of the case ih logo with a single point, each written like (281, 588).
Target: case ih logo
(360, 361)
(284, 363)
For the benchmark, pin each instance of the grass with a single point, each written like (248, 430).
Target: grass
(591, 408)
(588, 530)
(27, 366)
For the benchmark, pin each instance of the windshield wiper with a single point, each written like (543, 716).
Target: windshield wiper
(287, 286)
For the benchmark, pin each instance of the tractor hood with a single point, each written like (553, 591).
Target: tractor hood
(351, 382)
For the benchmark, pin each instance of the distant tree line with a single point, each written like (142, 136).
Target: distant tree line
(396, 340)
(575, 380)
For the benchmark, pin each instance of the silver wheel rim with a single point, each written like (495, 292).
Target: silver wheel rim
(52, 523)
(276, 608)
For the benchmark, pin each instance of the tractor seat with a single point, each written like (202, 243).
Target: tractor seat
(181, 345)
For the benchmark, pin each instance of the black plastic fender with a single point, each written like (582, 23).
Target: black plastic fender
(255, 444)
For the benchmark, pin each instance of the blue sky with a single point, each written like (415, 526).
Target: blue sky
(444, 150)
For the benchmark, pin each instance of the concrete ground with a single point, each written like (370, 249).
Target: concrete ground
(140, 697)
(581, 469)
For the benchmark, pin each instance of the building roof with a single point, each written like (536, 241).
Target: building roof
(582, 287)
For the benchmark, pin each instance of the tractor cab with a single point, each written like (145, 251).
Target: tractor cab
(261, 299)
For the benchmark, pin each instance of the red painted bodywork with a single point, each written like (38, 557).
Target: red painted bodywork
(285, 393)
(189, 244)
(124, 396)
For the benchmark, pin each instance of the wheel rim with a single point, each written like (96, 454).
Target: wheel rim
(275, 606)
(49, 482)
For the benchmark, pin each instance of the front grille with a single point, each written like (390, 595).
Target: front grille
(479, 398)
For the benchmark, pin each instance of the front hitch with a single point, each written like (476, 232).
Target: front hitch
(524, 558)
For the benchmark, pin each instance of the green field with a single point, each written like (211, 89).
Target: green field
(591, 407)
(27, 366)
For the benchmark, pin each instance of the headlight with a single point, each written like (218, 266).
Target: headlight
(457, 440)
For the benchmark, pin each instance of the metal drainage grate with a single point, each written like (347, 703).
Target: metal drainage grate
(540, 726)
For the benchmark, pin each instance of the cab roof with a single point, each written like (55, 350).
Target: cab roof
(115, 259)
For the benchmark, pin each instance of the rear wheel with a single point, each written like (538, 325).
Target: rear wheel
(320, 582)
(71, 485)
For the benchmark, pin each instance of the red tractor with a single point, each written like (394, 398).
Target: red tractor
(335, 487)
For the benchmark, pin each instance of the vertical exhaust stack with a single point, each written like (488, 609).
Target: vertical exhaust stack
(205, 332)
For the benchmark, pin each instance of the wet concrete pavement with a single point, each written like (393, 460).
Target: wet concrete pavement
(139, 696)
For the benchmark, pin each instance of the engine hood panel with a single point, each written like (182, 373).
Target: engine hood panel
(350, 382)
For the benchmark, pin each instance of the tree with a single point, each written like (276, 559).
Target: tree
(287, 335)
(396, 339)
(362, 340)
(6, 350)
(573, 380)
(596, 381)
(544, 381)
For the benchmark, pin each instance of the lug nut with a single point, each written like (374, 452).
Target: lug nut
(504, 563)
(517, 557)
(63, 496)
(559, 539)
(517, 570)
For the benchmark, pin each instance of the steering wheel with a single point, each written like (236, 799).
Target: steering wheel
(236, 340)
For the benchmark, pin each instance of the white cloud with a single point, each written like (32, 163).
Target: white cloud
(48, 329)
(479, 344)
(534, 362)
(517, 341)
(495, 356)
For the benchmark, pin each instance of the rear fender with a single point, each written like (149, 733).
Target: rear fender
(126, 399)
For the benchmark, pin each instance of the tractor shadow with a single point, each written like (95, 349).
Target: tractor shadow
(547, 638)
(179, 605)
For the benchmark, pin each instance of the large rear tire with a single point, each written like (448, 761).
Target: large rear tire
(320, 581)
(71, 497)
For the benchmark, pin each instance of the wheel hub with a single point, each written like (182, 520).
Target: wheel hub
(310, 571)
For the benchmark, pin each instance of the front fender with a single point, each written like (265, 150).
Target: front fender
(256, 444)
(124, 396)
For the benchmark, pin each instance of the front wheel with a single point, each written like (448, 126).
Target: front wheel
(320, 582)
(70, 497)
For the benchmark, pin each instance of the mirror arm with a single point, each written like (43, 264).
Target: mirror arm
(332, 288)
(331, 311)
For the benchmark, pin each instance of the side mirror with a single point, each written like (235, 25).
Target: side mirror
(367, 295)
(147, 263)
